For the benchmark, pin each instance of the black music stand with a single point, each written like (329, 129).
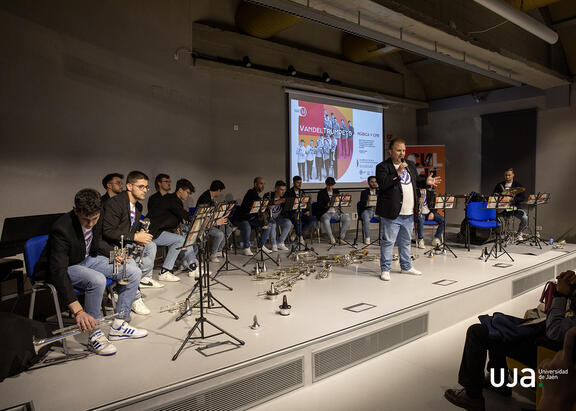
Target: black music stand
(536, 200)
(260, 206)
(339, 201)
(371, 202)
(443, 202)
(298, 204)
(199, 236)
(498, 202)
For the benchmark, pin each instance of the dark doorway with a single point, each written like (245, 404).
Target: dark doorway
(509, 140)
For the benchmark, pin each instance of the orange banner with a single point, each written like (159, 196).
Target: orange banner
(429, 159)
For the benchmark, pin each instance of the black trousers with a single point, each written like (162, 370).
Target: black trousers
(473, 364)
(319, 166)
(309, 164)
(301, 170)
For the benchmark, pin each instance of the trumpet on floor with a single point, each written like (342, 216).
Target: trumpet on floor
(182, 307)
(66, 332)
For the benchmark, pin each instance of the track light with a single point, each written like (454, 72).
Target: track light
(291, 70)
(326, 77)
(246, 62)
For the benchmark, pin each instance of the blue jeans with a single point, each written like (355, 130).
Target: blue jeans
(394, 231)
(246, 229)
(219, 236)
(437, 217)
(147, 264)
(285, 226)
(174, 242)
(308, 222)
(90, 276)
(366, 217)
(523, 217)
(327, 216)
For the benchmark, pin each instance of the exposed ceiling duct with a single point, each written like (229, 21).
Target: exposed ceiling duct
(522, 19)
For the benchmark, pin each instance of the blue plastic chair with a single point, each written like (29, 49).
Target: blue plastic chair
(477, 215)
(373, 220)
(32, 252)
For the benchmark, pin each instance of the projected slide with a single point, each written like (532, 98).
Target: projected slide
(329, 140)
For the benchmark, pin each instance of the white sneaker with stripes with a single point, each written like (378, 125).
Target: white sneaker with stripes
(98, 343)
(121, 330)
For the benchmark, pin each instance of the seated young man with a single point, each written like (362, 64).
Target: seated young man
(121, 217)
(325, 212)
(367, 212)
(220, 233)
(162, 184)
(481, 341)
(307, 220)
(427, 213)
(69, 261)
(112, 183)
(165, 219)
(244, 220)
(277, 216)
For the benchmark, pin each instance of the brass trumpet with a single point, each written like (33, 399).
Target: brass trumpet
(66, 332)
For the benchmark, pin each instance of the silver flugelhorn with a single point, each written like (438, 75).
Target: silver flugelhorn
(182, 307)
(144, 226)
(66, 332)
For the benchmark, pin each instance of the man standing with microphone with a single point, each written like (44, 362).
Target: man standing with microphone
(397, 205)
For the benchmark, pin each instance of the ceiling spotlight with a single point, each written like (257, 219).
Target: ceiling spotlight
(291, 70)
(326, 77)
(246, 62)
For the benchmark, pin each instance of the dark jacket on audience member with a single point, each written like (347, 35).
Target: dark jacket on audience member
(65, 247)
(167, 215)
(390, 194)
(364, 199)
(323, 202)
(557, 323)
(205, 199)
(154, 201)
(518, 198)
(116, 221)
(243, 212)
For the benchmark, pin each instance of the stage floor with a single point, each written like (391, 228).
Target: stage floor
(143, 368)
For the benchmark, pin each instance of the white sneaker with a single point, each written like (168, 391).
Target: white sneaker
(367, 241)
(332, 240)
(420, 243)
(436, 241)
(247, 251)
(169, 277)
(385, 276)
(266, 250)
(139, 307)
(195, 273)
(214, 258)
(301, 240)
(519, 237)
(412, 271)
(149, 282)
(124, 331)
(274, 247)
(282, 247)
(98, 343)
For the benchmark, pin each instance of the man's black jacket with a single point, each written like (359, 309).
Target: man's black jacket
(390, 194)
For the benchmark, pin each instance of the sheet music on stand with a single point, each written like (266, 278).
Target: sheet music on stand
(341, 200)
(259, 206)
(202, 220)
(499, 202)
(444, 201)
(298, 203)
(372, 200)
